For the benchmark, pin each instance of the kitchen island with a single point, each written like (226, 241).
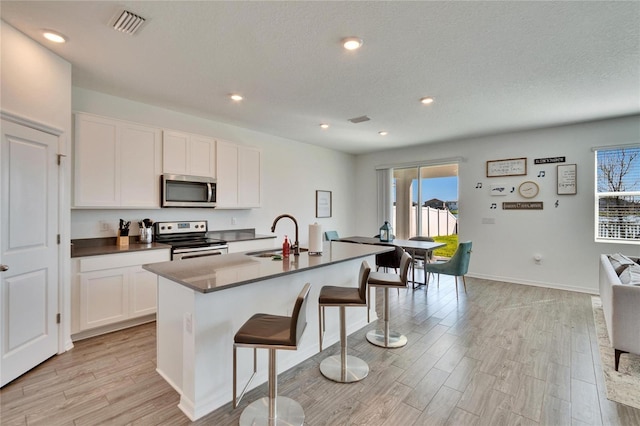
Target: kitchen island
(202, 302)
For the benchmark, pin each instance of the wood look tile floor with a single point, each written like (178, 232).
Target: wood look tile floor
(503, 354)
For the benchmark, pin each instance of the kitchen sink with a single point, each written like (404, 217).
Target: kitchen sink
(271, 252)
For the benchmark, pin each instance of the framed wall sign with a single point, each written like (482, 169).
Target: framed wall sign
(323, 203)
(508, 167)
(567, 179)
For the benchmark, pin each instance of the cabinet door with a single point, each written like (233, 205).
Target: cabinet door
(175, 152)
(142, 292)
(103, 298)
(202, 156)
(140, 148)
(96, 179)
(249, 177)
(227, 170)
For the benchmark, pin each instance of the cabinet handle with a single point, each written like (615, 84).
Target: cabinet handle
(4, 268)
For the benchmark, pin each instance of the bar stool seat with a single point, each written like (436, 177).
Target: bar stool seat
(386, 338)
(271, 332)
(344, 368)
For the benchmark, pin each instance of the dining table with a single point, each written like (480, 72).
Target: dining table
(411, 246)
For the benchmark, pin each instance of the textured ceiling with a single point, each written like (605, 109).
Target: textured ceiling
(491, 66)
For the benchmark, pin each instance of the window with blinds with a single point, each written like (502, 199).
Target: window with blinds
(618, 194)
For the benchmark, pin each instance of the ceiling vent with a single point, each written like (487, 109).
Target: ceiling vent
(128, 22)
(359, 119)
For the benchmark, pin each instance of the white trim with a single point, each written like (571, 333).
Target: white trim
(438, 162)
(556, 286)
(27, 122)
(602, 148)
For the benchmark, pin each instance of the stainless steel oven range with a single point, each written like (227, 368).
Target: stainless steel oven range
(188, 239)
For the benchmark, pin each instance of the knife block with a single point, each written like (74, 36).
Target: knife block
(123, 241)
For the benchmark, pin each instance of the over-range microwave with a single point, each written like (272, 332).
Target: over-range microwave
(188, 191)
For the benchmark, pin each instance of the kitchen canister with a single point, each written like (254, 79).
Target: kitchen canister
(146, 235)
(315, 239)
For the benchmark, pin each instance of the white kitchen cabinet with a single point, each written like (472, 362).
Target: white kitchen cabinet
(103, 298)
(239, 176)
(188, 154)
(113, 289)
(251, 245)
(142, 292)
(117, 163)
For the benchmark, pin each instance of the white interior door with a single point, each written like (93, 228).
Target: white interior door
(28, 249)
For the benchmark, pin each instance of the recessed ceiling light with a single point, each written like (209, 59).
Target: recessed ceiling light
(383, 133)
(54, 36)
(427, 100)
(352, 43)
(235, 97)
(324, 126)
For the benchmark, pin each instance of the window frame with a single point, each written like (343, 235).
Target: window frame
(608, 194)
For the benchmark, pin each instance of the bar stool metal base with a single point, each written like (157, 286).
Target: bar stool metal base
(288, 412)
(396, 340)
(354, 370)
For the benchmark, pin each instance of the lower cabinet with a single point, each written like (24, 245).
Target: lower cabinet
(240, 246)
(113, 289)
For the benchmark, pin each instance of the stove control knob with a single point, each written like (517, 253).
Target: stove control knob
(162, 227)
(169, 227)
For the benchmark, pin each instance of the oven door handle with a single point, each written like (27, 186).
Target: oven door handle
(192, 256)
(196, 249)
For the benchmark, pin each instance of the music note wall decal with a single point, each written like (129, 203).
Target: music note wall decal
(479, 185)
(541, 174)
(557, 202)
(513, 188)
(493, 206)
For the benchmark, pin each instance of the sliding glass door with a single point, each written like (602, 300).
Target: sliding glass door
(425, 201)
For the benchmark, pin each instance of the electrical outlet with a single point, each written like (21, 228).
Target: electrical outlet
(104, 226)
(234, 220)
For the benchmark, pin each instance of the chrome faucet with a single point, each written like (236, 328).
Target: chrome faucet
(296, 245)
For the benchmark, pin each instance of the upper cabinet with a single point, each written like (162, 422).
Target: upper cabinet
(239, 176)
(187, 154)
(117, 163)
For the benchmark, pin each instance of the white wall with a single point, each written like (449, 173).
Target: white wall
(292, 172)
(504, 251)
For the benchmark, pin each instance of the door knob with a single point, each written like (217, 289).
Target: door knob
(4, 268)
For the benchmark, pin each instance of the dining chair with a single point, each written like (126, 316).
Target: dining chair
(331, 235)
(457, 266)
(424, 256)
(390, 259)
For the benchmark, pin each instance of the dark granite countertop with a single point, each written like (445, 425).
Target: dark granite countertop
(216, 273)
(99, 246)
(107, 245)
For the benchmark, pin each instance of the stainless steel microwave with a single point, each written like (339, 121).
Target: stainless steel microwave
(188, 191)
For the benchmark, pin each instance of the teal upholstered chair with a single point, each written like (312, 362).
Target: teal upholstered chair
(331, 235)
(457, 266)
